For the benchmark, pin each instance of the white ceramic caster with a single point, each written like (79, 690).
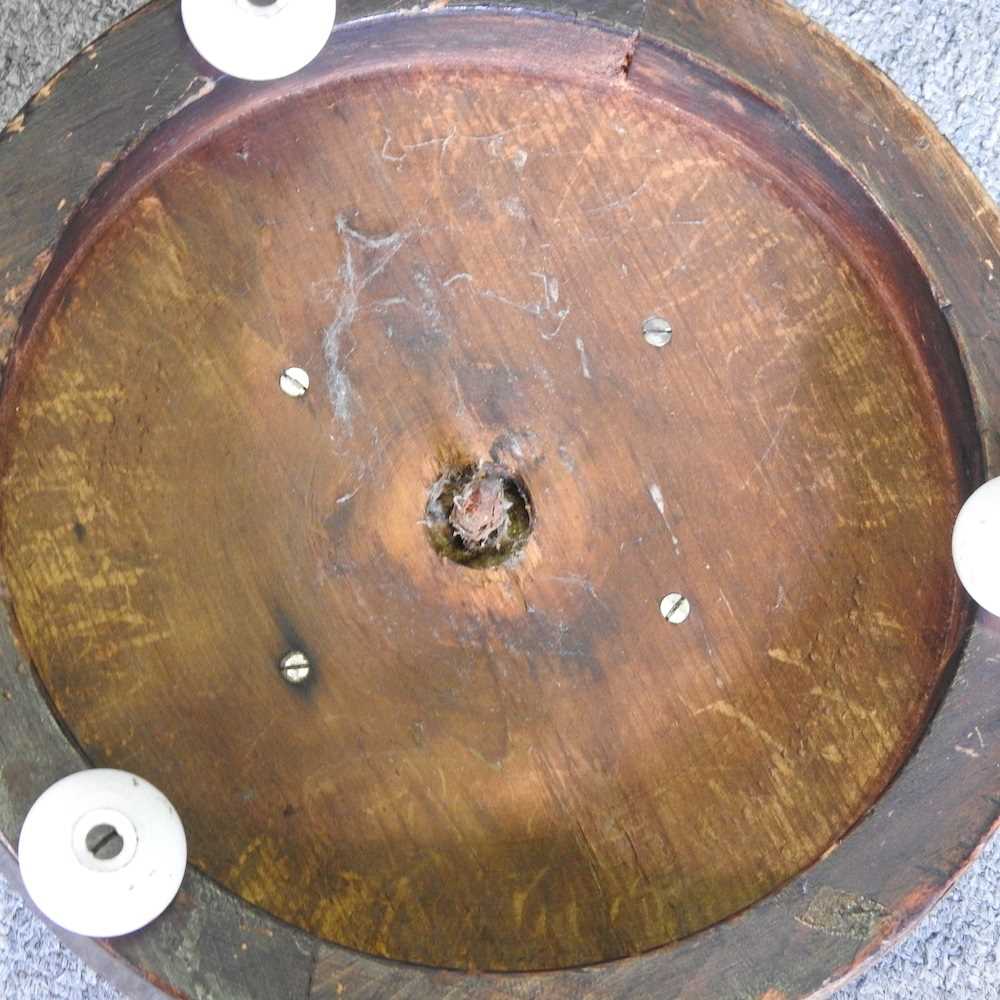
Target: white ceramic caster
(257, 41)
(102, 853)
(975, 546)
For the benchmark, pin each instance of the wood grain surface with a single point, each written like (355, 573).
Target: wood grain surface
(521, 767)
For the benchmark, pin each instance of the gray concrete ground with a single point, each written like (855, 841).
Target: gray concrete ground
(946, 55)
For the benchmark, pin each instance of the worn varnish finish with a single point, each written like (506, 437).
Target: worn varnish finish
(523, 767)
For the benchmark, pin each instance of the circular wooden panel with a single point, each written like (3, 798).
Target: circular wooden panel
(524, 766)
(506, 760)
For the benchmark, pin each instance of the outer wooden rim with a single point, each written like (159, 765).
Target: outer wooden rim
(945, 803)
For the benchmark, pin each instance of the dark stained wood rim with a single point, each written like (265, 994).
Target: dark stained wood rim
(932, 821)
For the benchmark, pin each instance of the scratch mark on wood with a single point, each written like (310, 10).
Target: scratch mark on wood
(542, 310)
(459, 396)
(623, 202)
(529, 308)
(783, 656)
(442, 141)
(205, 87)
(584, 366)
(776, 435)
(725, 600)
(571, 182)
(778, 758)
(656, 494)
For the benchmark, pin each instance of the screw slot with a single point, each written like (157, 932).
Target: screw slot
(104, 842)
(657, 332)
(295, 667)
(675, 608)
(294, 382)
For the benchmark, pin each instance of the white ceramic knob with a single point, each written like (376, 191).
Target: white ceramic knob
(259, 41)
(975, 546)
(102, 853)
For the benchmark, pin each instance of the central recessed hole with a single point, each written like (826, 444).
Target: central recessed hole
(104, 842)
(479, 515)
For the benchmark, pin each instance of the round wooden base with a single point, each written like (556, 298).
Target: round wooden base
(504, 756)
